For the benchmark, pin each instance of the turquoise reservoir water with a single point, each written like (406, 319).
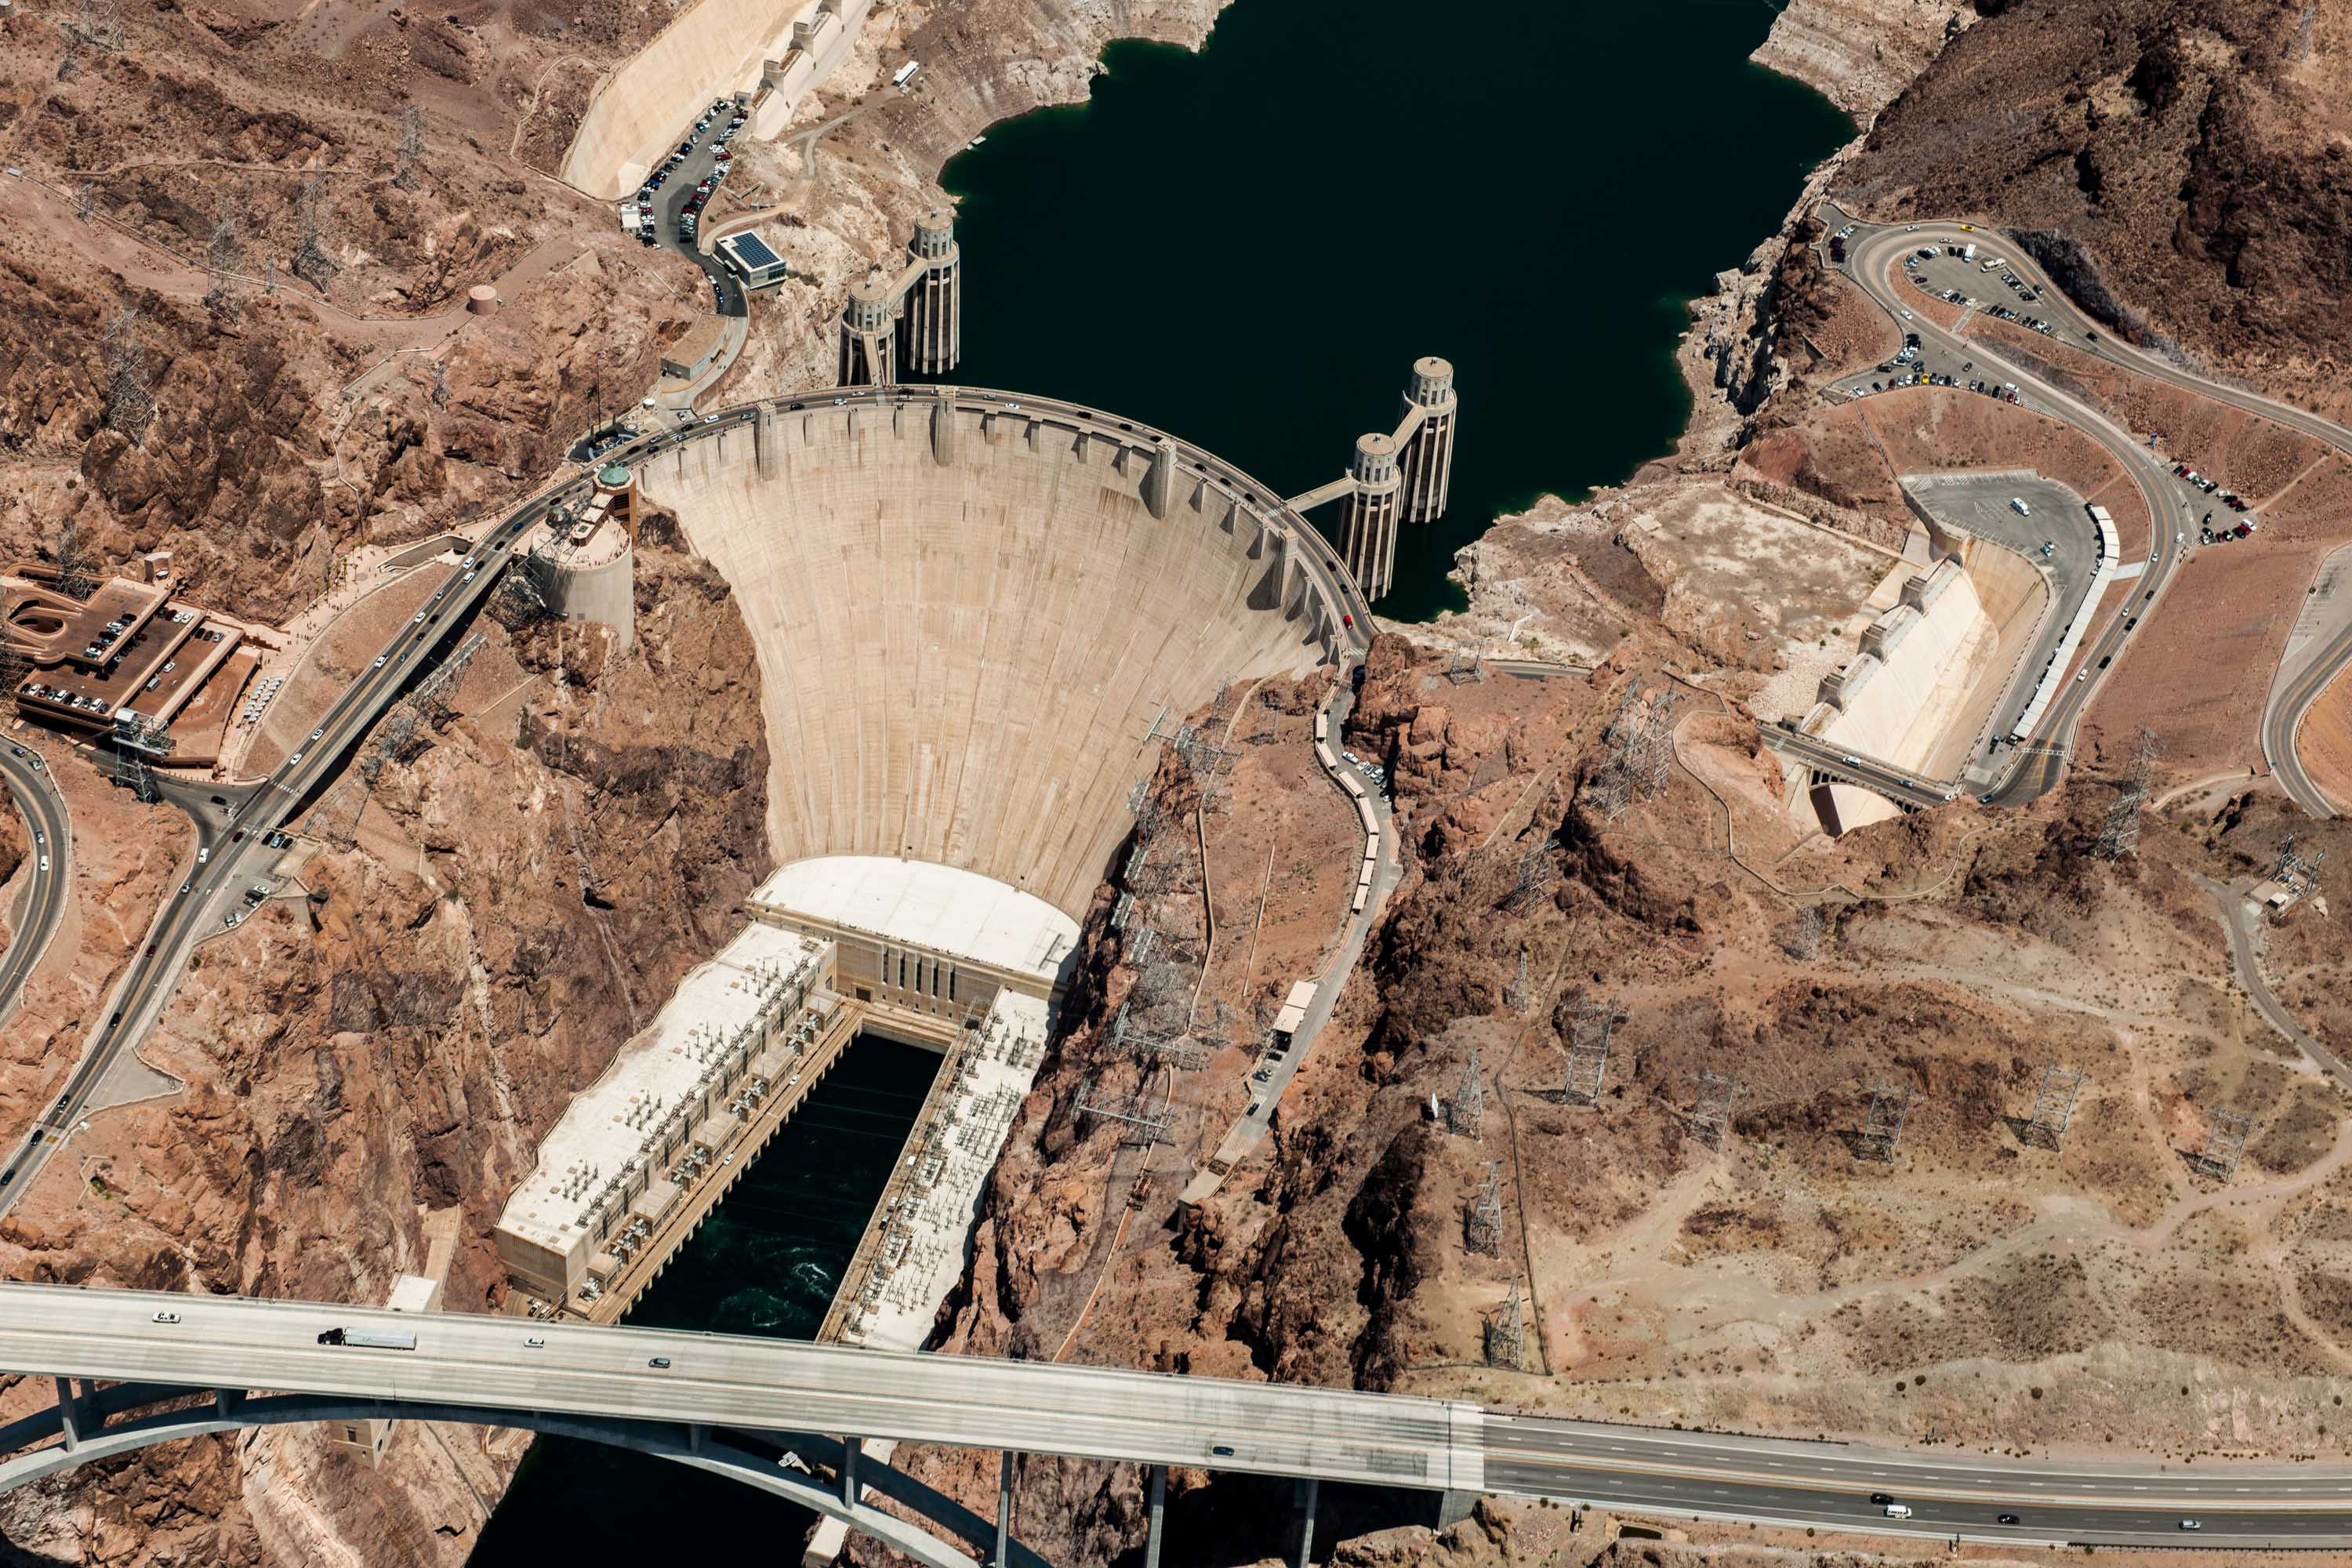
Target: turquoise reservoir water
(1250, 247)
(767, 1262)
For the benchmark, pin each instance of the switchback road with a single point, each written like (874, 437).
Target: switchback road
(1869, 257)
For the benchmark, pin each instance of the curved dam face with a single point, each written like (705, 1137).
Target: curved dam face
(978, 620)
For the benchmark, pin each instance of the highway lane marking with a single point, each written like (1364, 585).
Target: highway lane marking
(1932, 1490)
(1425, 1456)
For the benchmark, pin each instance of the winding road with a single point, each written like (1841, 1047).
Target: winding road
(1872, 253)
(2037, 765)
(49, 863)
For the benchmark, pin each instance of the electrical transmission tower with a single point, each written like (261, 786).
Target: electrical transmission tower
(134, 743)
(1611, 784)
(14, 663)
(314, 207)
(429, 696)
(2119, 835)
(1515, 995)
(1136, 1130)
(1484, 1218)
(1711, 1112)
(2225, 1143)
(221, 255)
(1641, 752)
(412, 146)
(99, 24)
(1882, 1129)
(1652, 757)
(1804, 940)
(85, 201)
(1534, 876)
(1588, 1050)
(77, 576)
(129, 402)
(2053, 1105)
(1507, 1332)
(1465, 1113)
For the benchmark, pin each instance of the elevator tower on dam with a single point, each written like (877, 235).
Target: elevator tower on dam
(912, 324)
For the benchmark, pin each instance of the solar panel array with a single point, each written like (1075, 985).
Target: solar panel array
(754, 251)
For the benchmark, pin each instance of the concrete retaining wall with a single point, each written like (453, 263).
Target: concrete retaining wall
(715, 48)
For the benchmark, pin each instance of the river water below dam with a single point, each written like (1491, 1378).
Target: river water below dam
(1249, 246)
(766, 1263)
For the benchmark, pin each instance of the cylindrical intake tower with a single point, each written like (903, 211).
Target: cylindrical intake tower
(1368, 527)
(1428, 457)
(931, 331)
(869, 356)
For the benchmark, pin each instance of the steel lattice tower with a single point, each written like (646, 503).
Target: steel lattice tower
(2119, 835)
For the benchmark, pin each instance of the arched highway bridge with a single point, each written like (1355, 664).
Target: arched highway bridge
(736, 1406)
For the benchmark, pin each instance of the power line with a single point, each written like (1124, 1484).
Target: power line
(1589, 1029)
(2119, 835)
(2053, 1105)
(1882, 1128)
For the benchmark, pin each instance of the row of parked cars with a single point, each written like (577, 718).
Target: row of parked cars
(730, 117)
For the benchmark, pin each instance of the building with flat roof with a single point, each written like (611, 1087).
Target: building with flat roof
(915, 935)
(751, 258)
(130, 659)
(1294, 1008)
(695, 350)
(634, 1144)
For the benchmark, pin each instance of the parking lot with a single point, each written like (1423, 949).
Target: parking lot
(671, 193)
(2058, 538)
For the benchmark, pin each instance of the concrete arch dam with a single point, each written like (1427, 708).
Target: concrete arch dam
(977, 618)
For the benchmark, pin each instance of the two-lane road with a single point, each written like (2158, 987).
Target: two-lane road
(1871, 261)
(48, 864)
(1868, 258)
(229, 839)
(1876, 776)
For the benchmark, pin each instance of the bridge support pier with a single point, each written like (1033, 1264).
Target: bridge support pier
(1003, 1511)
(1159, 1473)
(69, 1414)
(849, 1451)
(1308, 1490)
(1453, 1508)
